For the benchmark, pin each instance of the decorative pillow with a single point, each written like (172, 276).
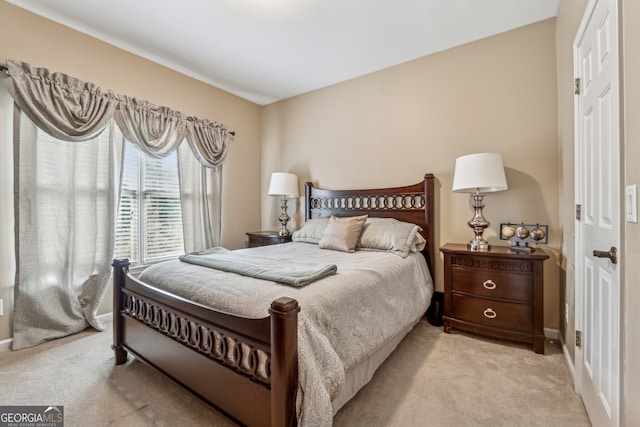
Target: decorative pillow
(389, 234)
(342, 233)
(311, 231)
(418, 244)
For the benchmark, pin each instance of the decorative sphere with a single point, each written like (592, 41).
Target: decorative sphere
(522, 232)
(537, 233)
(508, 231)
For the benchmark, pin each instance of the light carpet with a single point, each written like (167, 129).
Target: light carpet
(432, 379)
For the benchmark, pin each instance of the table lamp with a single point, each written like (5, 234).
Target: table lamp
(479, 174)
(284, 185)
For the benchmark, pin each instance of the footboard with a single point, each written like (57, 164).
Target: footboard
(246, 368)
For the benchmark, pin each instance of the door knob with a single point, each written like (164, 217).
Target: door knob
(611, 254)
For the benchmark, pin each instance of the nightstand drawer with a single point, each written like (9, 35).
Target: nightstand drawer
(494, 284)
(494, 314)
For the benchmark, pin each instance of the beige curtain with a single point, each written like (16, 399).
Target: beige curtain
(209, 141)
(64, 107)
(156, 131)
(66, 191)
(201, 206)
(65, 201)
(200, 172)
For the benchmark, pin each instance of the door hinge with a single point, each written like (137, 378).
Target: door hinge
(578, 212)
(576, 86)
(578, 338)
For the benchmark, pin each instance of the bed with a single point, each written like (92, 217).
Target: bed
(266, 369)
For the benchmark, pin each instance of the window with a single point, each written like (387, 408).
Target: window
(149, 223)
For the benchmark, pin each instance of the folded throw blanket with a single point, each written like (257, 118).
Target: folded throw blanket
(288, 271)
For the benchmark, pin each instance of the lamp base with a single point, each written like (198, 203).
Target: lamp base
(284, 231)
(478, 246)
(283, 218)
(478, 223)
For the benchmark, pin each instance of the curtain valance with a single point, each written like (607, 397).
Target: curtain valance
(73, 110)
(157, 131)
(65, 107)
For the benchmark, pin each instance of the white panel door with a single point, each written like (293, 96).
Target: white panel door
(598, 229)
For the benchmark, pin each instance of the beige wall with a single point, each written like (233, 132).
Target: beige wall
(631, 291)
(40, 42)
(390, 127)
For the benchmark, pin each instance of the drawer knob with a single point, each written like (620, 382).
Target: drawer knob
(489, 313)
(489, 284)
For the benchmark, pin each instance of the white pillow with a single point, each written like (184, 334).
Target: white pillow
(389, 234)
(418, 243)
(342, 233)
(311, 231)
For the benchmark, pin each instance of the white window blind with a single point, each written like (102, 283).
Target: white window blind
(149, 226)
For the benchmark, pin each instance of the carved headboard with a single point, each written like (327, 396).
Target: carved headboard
(412, 203)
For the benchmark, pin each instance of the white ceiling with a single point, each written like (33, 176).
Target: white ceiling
(268, 50)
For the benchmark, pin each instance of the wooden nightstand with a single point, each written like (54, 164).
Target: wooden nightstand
(264, 238)
(498, 293)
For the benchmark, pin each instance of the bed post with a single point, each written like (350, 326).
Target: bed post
(120, 267)
(307, 198)
(284, 361)
(429, 218)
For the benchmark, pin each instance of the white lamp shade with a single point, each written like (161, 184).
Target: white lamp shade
(283, 184)
(482, 172)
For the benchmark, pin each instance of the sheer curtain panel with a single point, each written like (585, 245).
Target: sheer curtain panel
(66, 207)
(200, 198)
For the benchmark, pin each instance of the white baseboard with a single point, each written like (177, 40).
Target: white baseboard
(555, 334)
(6, 344)
(106, 317)
(552, 334)
(567, 360)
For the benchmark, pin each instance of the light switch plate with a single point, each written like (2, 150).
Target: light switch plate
(631, 203)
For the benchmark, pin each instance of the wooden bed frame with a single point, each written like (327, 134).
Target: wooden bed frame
(188, 341)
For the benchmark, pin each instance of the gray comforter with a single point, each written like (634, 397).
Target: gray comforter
(344, 317)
